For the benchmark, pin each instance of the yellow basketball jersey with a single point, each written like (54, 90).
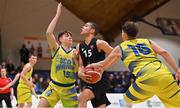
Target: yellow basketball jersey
(63, 67)
(138, 54)
(27, 75)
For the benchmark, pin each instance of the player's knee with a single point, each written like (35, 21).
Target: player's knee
(20, 105)
(43, 103)
(29, 105)
(82, 99)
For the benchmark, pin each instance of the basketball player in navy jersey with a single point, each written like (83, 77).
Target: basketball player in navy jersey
(92, 50)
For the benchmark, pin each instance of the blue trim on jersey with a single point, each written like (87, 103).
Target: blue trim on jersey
(74, 98)
(130, 96)
(142, 72)
(55, 53)
(66, 51)
(149, 41)
(122, 53)
(132, 65)
(63, 85)
(73, 90)
(137, 88)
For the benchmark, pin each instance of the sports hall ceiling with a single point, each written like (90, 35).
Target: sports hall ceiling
(110, 14)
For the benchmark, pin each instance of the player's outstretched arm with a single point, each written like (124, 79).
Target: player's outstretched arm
(12, 82)
(168, 58)
(112, 58)
(49, 33)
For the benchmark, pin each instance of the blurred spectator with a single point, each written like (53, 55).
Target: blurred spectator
(10, 68)
(24, 54)
(40, 86)
(20, 67)
(36, 77)
(124, 86)
(118, 84)
(32, 50)
(112, 83)
(39, 50)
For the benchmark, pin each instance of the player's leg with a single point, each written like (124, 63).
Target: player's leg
(139, 91)
(85, 95)
(99, 90)
(23, 96)
(69, 97)
(43, 103)
(20, 105)
(28, 104)
(49, 97)
(100, 101)
(169, 91)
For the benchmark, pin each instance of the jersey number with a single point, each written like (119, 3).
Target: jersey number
(140, 49)
(87, 53)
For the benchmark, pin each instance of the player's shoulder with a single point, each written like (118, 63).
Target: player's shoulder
(99, 41)
(28, 66)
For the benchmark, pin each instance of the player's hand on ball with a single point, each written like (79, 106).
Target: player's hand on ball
(97, 67)
(95, 75)
(84, 77)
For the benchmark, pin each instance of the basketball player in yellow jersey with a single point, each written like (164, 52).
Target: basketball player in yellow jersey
(25, 86)
(63, 69)
(152, 76)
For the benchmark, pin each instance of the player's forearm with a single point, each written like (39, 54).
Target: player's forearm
(52, 25)
(170, 60)
(13, 82)
(80, 71)
(112, 58)
(109, 61)
(12, 92)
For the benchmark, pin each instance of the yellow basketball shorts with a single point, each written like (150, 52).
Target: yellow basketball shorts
(55, 93)
(24, 94)
(162, 85)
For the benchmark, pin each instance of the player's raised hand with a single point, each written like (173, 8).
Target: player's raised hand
(59, 9)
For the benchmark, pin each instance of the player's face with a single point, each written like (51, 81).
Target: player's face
(3, 72)
(33, 59)
(86, 29)
(66, 39)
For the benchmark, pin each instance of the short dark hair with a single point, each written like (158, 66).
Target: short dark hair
(95, 27)
(32, 55)
(130, 28)
(64, 32)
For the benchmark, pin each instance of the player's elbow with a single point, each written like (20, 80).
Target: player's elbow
(48, 33)
(21, 75)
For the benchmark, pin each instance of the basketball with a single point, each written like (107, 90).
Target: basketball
(96, 75)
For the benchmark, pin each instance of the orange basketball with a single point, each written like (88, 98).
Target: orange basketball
(96, 76)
